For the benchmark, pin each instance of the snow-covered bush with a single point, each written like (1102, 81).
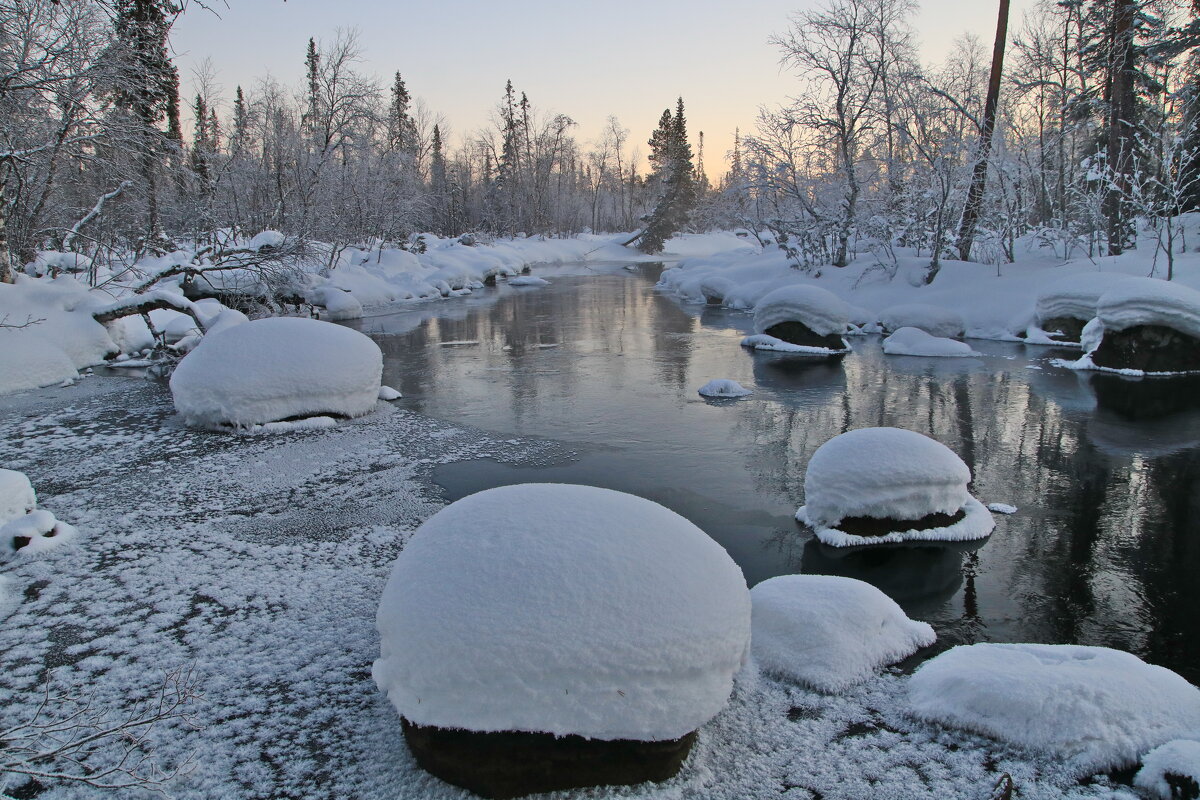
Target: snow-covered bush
(1092, 707)
(876, 485)
(916, 342)
(274, 369)
(934, 320)
(562, 609)
(830, 632)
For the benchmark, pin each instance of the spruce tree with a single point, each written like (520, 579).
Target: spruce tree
(671, 157)
(402, 131)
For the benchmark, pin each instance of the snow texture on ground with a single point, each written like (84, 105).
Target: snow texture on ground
(1178, 759)
(259, 562)
(916, 342)
(723, 387)
(1093, 707)
(271, 369)
(562, 609)
(830, 632)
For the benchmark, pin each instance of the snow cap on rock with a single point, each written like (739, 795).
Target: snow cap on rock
(889, 473)
(916, 342)
(275, 368)
(823, 312)
(723, 387)
(830, 632)
(17, 497)
(562, 609)
(1075, 296)
(1150, 301)
(934, 320)
(1176, 761)
(1093, 707)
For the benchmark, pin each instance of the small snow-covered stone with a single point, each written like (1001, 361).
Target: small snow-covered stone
(1093, 707)
(830, 632)
(1001, 508)
(36, 532)
(528, 280)
(272, 369)
(562, 609)
(724, 388)
(934, 320)
(388, 393)
(1171, 771)
(339, 304)
(916, 342)
(880, 479)
(17, 497)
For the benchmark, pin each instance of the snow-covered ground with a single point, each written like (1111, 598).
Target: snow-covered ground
(259, 562)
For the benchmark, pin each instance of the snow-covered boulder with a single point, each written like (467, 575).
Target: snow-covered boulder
(35, 532)
(1066, 305)
(876, 485)
(1171, 771)
(722, 387)
(934, 320)
(916, 342)
(17, 497)
(339, 304)
(274, 369)
(29, 361)
(266, 240)
(1149, 326)
(807, 316)
(715, 289)
(528, 280)
(830, 632)
(559, 611)
(1092, 707)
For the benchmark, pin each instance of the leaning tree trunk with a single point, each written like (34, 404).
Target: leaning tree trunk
(6, 270)
(970, 217)
(1120, 125)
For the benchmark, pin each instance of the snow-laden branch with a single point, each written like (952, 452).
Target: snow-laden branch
(147, 302)
(69, 239)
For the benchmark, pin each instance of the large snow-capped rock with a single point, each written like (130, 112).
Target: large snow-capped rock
(1150, 301)
(916, 342)
(830, 632)
(562, 609)
(1067, 304)
(876, 485)
(276, 368)
(17, 497)
(1144, 326)
(934, 320)
(821, 311)
(1092, 707)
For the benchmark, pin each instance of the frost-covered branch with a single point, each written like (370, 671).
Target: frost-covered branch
(145, 303)
(4, 323)
(67, 738)
(69, 239)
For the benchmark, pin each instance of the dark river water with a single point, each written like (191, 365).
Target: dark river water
(1105, 547)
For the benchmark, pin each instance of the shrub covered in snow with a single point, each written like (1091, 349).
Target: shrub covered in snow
(724, 388)
(1093, 707)
(916, 342)
(273, 369)
(877, 485)
(564, 609)
(17, 497)
(830, 632)
(934, 320)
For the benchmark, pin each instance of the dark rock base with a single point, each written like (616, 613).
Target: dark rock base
(514, 763)
(798, 333)
(1149, 348)
(882, 526)
(1069, 329)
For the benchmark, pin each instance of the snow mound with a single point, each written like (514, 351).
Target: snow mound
(722, 387)
(339, 304)
(830, 632)
(1179, 759)
(36, 532)
(28, 361)
(272, 369)
(17, 497)
(823, 312)
(266, 238)
(761, 341)
(564, 609)
(1093, 707)
(528, 280)
(1001, 508)
(388, 393)
(933, 320)
(889, 473)
(1149, 301)
(916, 342)
(1076, 296)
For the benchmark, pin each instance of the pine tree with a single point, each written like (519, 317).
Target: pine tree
(671, 156)
(241, 124)
(312, 68)
(402, 131)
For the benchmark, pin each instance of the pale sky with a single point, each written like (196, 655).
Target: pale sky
(584, 59)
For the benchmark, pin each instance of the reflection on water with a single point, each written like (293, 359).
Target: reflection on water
(1105, 471)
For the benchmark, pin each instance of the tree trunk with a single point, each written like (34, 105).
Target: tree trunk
(6, 271)
(970, 217)
(1120, 124)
